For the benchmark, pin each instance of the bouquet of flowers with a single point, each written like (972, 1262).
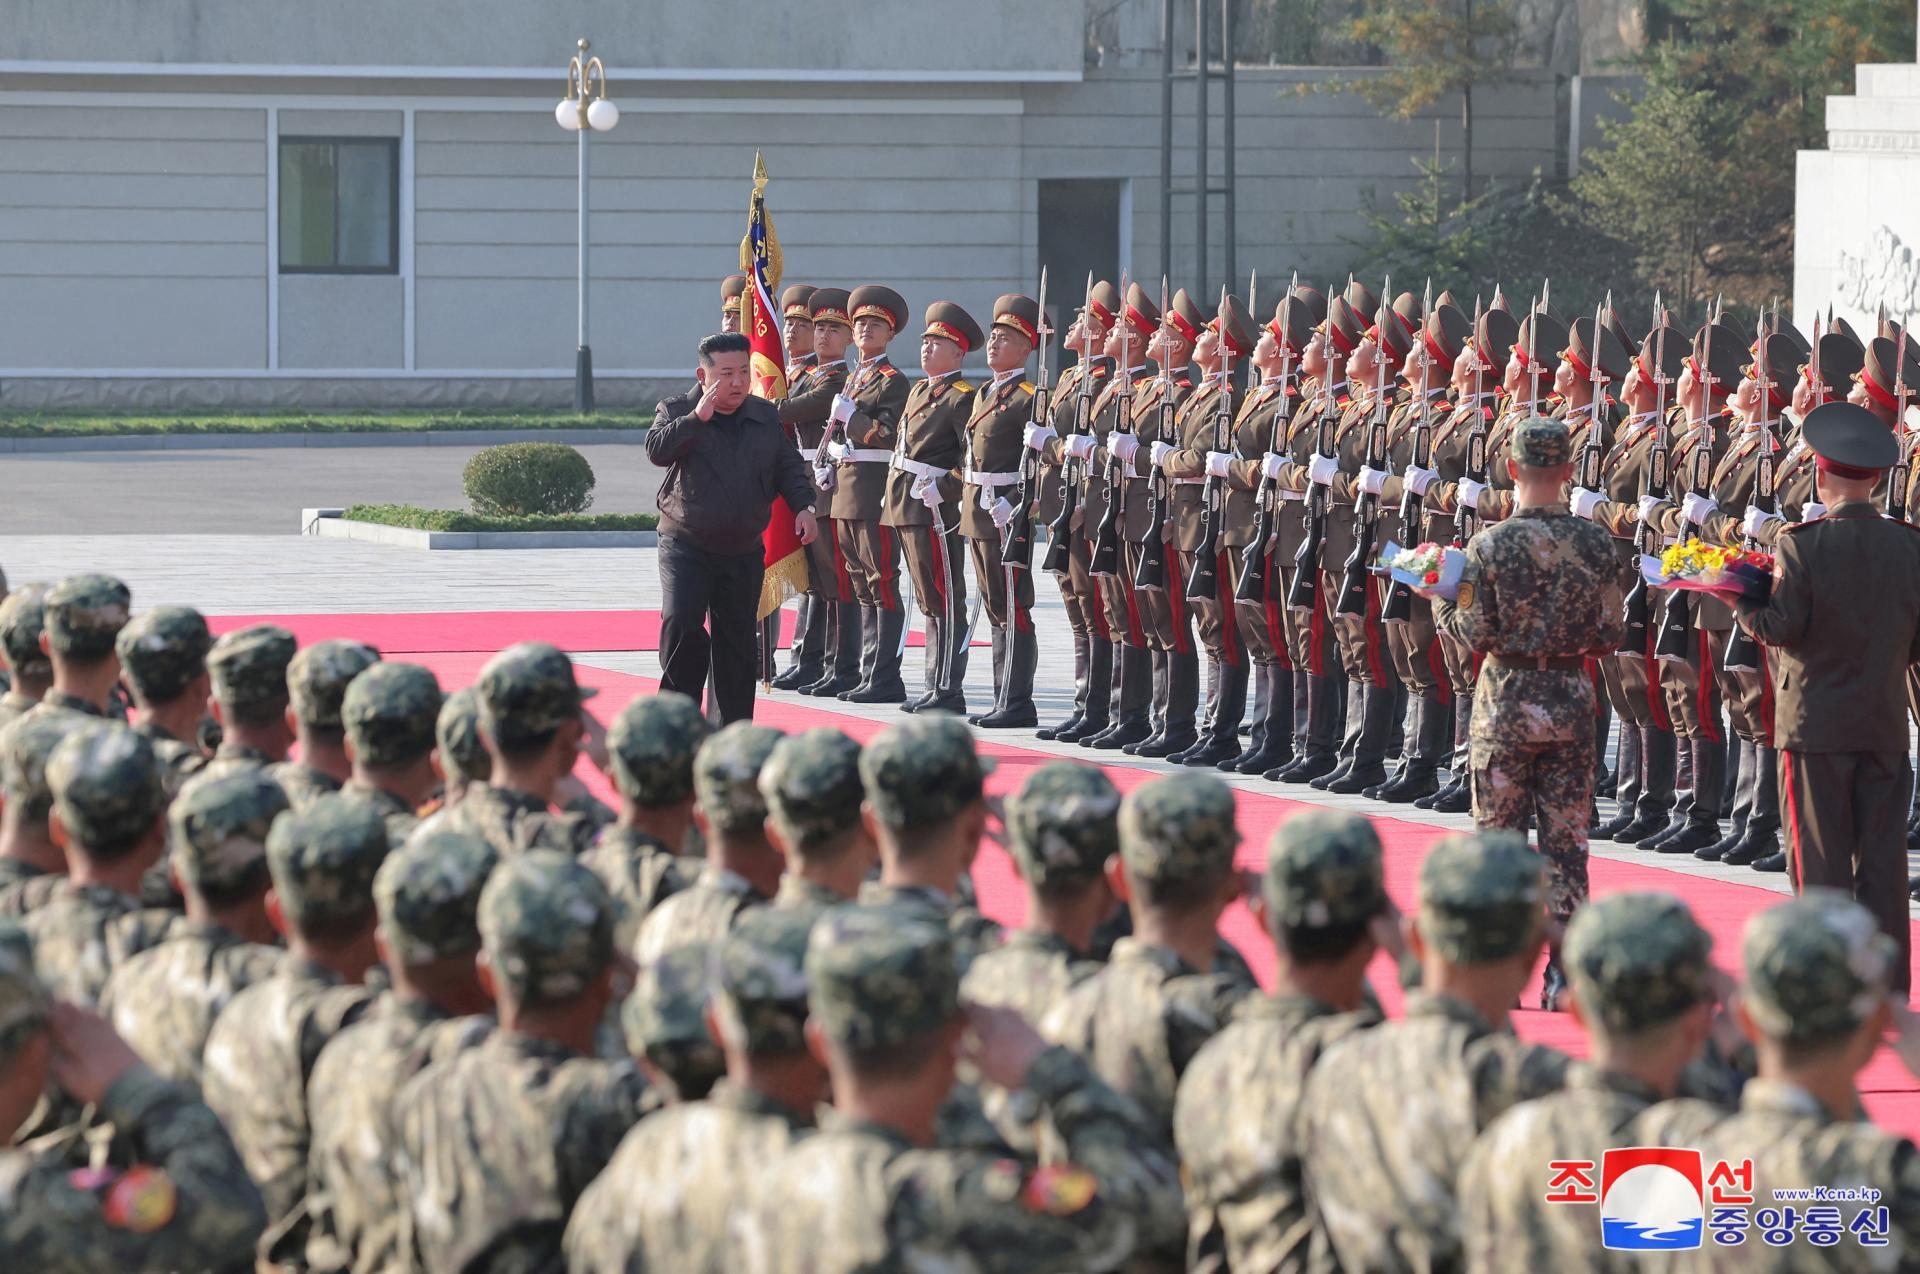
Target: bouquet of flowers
(1708, 568)
(1429, 568)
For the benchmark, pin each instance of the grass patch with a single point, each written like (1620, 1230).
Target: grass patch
(62, 424)
(415, 518)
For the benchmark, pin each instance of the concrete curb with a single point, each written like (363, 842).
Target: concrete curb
(327, 524)
(420, 438)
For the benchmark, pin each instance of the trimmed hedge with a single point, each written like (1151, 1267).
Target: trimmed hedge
(57, 424)
(415, 518)
(526, 479)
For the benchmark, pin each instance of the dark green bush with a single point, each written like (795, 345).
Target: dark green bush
(523, 479)
(418, 519)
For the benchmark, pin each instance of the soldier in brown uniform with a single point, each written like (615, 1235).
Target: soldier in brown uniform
(810, 626)
(731, 289)
(995, 433)
(919, 505)
(1073, 398)
(1195, 460)
(867, 410)
(808, 409)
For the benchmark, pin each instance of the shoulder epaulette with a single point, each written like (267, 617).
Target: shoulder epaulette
(1101, 369)
(888, 369)
(1184, 382)
(963, 386)
(1028, 386)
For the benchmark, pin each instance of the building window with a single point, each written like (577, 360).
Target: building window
(339, 205)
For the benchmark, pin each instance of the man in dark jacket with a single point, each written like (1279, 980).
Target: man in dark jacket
(726, 458)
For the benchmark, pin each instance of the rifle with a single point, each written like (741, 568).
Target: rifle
(1304, 593)
(1743, 653)
(1639, 601)
(1060, 530)
(1672, 641)
(1016, 542)
(1252, 589)
(1366, 508)
(1587, 474)
(1151, 571)
(1897, 479)
(1204, 579)
(1474, 464)
(1398, 608)
(1105, 558)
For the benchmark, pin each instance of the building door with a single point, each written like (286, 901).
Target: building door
(1081, 220)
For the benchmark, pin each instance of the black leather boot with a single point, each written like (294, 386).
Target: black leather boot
(840, 670)
(1370, 753)
(1183, 695)
(1222, 740)
(1015, 709)
(885, 686)
(1761, 836)
(1132, 688)
(869, 650)
(1082, 673)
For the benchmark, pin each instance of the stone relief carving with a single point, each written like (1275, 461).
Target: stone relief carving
(1884, 272)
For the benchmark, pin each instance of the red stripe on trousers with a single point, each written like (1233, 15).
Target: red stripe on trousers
(842, 579)
(1177, 603)
(1276, 630)
(1656, 701)
(1136, 631)
(1375, 637)
(889, 591)
(1229, 615)
(1437, 665)
(1793, 825)
(1317, 643)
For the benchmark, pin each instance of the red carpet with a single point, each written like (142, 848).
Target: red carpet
(485, 630)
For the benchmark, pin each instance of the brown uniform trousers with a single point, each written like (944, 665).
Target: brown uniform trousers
(994, 433)
(1078, 594)
(1186, 468)
(1161, 614)
(869, 552)
(929, 448)
(805, 409)
(1117, 602)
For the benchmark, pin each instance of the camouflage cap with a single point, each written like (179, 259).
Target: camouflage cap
(23, 617)
(923, 771)
(428, 894)
(760, 980)
(84, 613)
(249, 666)
(726, 774)
(1539, 443)
(324, 858)
(1482, 897)
(463, 753)
(319, 675)
(1323, 872)
(26, 744)
(876, 978)
(1064, 823)
(1817, 967)
(163, 650)
(546, 924)
(811, 786)
(528, 691)
(1637, 961)
(389, 712)
(24, 1002)
(108, 786)
(665, 1019)
(218, 825)
(1179, 828)
(651, 744)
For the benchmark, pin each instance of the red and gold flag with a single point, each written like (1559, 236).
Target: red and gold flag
(785, 557)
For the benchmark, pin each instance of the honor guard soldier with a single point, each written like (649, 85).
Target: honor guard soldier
(1538, 598)
(1198, 463)
(796, 330)
(867, 418)
(808, 409)
(1078, 389)
(732, 288)
(922, 491)
(996, 428)
(1102, 499)
(1844, 623)
(810, 627)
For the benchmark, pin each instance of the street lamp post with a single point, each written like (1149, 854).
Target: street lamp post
(585, 109)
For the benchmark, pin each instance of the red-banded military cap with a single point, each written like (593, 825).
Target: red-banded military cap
(1018, 314)
(1292, 324)
(1361, 297)
(1445, 333)
(797, 301)
(731, 289)
(1778, 360)
(1315, 302)
(944, 318)
(1718, 353)
(1103, 303)
(1582, 352)
(1877, 373)
(1342, 327)
(1836, 362)
(875, 300)
(1390, 334)
(1494, 336)
(1141, 314)
(832, 305)
(1185, 317)
(1539, 341)
(1406, 307)
(1239, 332)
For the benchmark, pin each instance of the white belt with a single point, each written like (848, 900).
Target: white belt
(1285, 494)
(867, 455)
(916, 468)
(975, 477)
(1189, 482)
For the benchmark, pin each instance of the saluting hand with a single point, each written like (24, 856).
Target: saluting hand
(705, 407)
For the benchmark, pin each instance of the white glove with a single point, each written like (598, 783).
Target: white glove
(1756, 518)
(1161, 451)
(823, 477)
(1080, 446)
(1470, 493)
(1217, 462)
(838, 450)
(1418, 480)
(1001, 513)
(1321, 470)
(843, 409)
(1812, 511)
(1125, 446)
(1273, 465)
(927, 492)
(1696, 507)
(1038, 436)
(1372, 481)
(1585, 502)
(1647, 505)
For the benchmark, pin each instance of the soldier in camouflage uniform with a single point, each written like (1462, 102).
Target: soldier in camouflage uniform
(666, 1199)
(317, 682)
(108, 802)
(22, 621)
(1390, 1113)
(665, 1024)
(533, 722)
(495, 1145)
(883, 989)
(743, 867)
(1140, 1020)
(248, 671)
(428, 896)
(650, 745)
(389, 714)
(164, 1001)
(83, 615)
(31, 865)
(462, 751)
(1641, 976)
(163, 658)
(811, 784)
(180, 1199)
(263, 1046)
(1540, 598)
(926, 790)
(1236, 1120)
